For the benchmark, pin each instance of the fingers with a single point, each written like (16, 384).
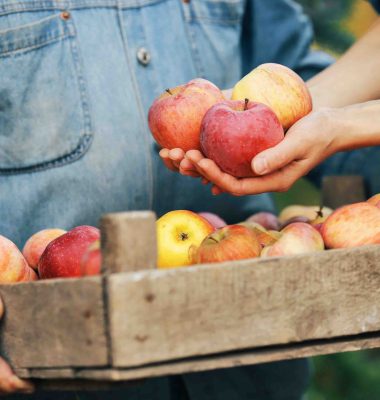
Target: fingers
(277, 157)
(172, 158)
(10, 383)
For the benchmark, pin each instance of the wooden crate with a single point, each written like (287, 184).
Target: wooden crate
(135, 321)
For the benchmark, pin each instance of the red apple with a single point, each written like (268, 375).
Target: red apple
(63, 256)
(353, 225)
(214, 219)
(233, 132)
(175, 117)
(266, 219)
(233, 242)
(92, 260)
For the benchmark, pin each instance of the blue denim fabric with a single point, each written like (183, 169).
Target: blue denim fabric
(74, 141)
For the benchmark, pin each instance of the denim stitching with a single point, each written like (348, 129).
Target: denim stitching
(9, 8)
(85, 138)
(139, 104)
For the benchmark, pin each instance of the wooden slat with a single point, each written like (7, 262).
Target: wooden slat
(164, 315)
(226, 360)
(340, 190)
(54, 323)
(129, 241)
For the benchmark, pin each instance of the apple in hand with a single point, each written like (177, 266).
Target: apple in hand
(296, 238)
(233, 132)
(352, 225)
(233, 242)
(63, 256)
(279, 88)
(175, 117)
(37, 243)
(177, 231)
(13, 266)
(214, 219)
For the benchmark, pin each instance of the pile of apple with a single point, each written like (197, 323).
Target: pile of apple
(197, 116)
(187, 238)
(51, 253)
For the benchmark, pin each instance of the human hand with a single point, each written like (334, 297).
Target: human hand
(306, 144)
(9, 382)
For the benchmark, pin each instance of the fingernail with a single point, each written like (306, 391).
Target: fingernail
(260, 165)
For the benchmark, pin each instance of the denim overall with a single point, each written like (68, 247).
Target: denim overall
(76, 80)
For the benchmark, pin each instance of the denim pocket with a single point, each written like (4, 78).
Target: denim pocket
(214, 28)
(44, 112)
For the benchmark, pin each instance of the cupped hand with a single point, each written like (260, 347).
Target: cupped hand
(9, 382)
(306, 144)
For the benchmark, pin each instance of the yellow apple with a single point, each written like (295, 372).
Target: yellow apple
(279, 88)
(177, 231)
(309, 212)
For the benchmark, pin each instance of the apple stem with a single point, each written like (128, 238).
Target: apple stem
(320, 212)
(168, 90)
(214, 240)
(246, 101)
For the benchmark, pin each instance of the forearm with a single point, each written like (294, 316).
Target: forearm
(354, 78)
(355, 126)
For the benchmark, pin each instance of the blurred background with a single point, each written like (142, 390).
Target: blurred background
(346, 376)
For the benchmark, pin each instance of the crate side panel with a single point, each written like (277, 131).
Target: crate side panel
(164, 315)
(54, 323)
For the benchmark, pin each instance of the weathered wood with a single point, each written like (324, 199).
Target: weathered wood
(129, 241)
(224, 360)
(164, 315)
(54, 323)
(340, 190)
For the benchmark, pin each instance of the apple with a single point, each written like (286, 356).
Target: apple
(13, 266)
(309, 212)
(63, 256)
(264, 236)
(92, 260)
(233, 242)
(265, 219)
(279, 88)
(177, 231)
(375, 200)
(352, 225)
(296, 238)
(36, 245)
(214, 219)
(175, 116)
(233, 132)
(300, 218)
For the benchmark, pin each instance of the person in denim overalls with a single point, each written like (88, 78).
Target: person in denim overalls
(76, 80)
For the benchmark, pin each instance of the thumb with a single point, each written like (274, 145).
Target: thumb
(274, 158)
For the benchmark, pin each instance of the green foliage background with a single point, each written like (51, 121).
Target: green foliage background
(345, 376)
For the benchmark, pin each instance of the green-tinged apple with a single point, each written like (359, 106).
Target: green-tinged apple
(309, 212)
(175, 117)
(264, 236)
(296, 238)
(233, 242)
(279, 88)
(233, 132)
(177, 231)
(352, 225)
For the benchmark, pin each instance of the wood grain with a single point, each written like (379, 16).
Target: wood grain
(340, 190)
(129, 241)
(224, 360)
(164, 315)
(54, 323)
